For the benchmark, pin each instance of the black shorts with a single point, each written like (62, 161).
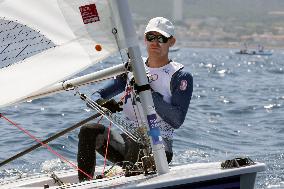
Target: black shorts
(121, 147)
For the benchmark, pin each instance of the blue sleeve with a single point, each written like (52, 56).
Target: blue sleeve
(181, 88)
(113, 87)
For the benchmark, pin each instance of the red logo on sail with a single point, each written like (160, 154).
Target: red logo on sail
(89, 13)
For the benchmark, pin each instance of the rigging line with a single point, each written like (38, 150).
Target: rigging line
(137, 113)
(106, 152)
(129, 80)
(107, 114)
(100, 119)
(133, 101)
(50, 139)
(47, 146)
(114, 32)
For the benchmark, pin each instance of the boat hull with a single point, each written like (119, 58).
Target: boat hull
(198, 176)
(255, 53)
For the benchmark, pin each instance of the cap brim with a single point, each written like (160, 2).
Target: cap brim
(158, 30)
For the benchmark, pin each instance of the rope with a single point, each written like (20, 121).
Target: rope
(109, 115)
(100, 119)
(130, 91)
(46, 146)
(114, 32)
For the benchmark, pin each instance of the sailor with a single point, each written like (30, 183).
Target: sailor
(171, 87)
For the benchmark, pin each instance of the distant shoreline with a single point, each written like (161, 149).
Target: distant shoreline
(223, 46)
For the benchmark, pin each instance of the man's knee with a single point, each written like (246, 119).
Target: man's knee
(90, 131)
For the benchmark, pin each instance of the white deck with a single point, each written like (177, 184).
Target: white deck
(190, 173)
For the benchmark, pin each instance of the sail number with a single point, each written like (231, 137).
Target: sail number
(154, 131)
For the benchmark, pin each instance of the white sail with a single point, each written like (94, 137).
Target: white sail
(80, 30)
(41, 15)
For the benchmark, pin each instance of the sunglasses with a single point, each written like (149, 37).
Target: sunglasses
(161, 39)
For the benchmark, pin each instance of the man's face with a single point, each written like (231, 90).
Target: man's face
(157, 44)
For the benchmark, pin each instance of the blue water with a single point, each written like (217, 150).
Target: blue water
(237, 109)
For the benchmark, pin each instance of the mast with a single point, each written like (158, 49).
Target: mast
(121, 9)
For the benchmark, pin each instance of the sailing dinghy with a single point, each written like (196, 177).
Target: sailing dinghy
(78, 34)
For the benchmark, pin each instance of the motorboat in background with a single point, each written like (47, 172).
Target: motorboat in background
(259, 51)
(255, 52)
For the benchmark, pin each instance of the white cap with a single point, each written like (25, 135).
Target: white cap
(161, 25)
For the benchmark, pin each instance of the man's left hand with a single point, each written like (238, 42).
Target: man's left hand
(111, 105)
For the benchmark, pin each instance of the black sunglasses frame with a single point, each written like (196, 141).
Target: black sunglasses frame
(160, 38)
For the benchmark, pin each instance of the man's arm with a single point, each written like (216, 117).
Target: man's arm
(113, 87)
(174, 113)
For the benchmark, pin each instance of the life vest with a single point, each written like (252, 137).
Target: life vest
(160, 81)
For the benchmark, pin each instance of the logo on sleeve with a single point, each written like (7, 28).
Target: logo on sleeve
(183, 85)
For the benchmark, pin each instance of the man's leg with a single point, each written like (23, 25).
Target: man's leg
(116, 146)
(86, 156)
(93, 138)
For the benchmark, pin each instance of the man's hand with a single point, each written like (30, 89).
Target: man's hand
(111, 105)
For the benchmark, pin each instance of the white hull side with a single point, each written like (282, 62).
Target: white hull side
(182, 175)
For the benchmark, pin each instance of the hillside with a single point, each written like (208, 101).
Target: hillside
(223, 22)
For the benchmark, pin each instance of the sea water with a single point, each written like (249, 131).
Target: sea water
(237, 109)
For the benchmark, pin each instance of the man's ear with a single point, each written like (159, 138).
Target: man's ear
(172, 41)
